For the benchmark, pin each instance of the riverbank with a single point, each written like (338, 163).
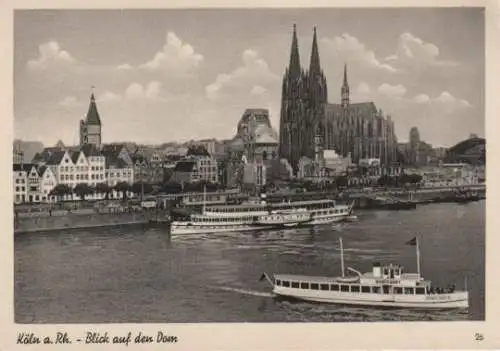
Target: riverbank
(83, 221)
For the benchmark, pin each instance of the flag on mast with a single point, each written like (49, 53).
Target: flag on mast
(412, 242)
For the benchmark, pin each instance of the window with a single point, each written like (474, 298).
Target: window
(354, 288)
(344, 288)
(420, 291)
(278, 282)
(408, 291)
(334, 287)
(365, 289)
(376, 289)
(304, 285)
(295, 285)
(398, 290)
(286, 284)
(17, 181)
(314, 286)
(324, 287)
(17, 188)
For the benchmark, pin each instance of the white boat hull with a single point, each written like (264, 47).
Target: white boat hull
(459, 299)
(202, 228)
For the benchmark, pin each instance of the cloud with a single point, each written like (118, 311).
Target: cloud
(138, 91)
(258, 90)
(421, 99)
(363, 88)
(50, 54)
(175, 57)
(392, 90)
(351, 49)
(413, 52)
(69, 101)
(108, 96)
(252, 76)
(123, 67)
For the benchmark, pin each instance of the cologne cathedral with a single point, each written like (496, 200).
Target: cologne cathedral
(358, 129)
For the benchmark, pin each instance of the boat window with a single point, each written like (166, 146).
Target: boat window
(409, 291)
(398, 290)
(304, 285)
(295, 285)
(278, 282)
(386, 271)
(286, 284)
(344, 288)
(314, 286)
(376, 289)
(420, 291)
(365, 289)
(334, 287)
(324, 287)
(354, 288)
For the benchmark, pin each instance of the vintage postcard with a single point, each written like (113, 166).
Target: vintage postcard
(214, 176)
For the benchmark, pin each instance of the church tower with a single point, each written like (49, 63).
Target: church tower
(90, 127)
(345, 90)
(292, 107)
(317, 99)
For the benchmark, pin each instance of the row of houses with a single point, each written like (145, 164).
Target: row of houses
(109, 164)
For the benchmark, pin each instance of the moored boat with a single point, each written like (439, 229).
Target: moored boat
(285, 218)
(263, 215)
(386, 285)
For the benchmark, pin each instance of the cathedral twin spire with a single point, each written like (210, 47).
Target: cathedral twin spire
(315, 71)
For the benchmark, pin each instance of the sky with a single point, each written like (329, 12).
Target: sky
(176, 75)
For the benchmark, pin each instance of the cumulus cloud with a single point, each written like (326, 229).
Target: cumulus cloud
(50, 53)
(124, 67)
(108, 96)
(175, 57)
(258, 90)
(252, 76)
(414, 52)
(421, 99)
(351, 49)
(392, 90)
(363, 88)
(138, 91)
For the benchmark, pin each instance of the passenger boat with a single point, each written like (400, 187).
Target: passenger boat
(285, 218)
(387, 286)
(258, 216)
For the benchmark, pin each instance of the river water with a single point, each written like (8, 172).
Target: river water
(140, 274)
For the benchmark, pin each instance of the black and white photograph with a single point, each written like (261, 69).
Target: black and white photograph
(248, 165)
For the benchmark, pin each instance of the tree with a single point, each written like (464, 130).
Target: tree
(122, 187)
(60, 190)
(103, 188)
(83, 189)
(342, 181)
(171, 188)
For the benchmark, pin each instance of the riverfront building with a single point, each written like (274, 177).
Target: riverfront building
(356, 128)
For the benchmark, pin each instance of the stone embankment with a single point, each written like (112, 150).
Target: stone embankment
(80, 219)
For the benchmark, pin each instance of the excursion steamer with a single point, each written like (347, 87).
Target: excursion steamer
(386, 285)
(263, 215)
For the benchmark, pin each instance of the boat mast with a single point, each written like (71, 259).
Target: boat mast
(341, 255)
(204, 197)
(418, 257)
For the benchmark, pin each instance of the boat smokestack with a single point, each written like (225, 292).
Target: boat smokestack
(377, 270)
(263, 198)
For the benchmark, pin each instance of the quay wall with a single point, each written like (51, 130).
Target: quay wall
(81, 221)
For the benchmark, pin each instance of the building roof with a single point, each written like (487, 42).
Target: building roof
(93, 117)
(74, 156)
(90, 150)
(184, 166)
(56, 157)
(197, 150)
(362, 109)
(22, 167)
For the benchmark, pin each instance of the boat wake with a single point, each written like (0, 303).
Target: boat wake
(243, 291)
